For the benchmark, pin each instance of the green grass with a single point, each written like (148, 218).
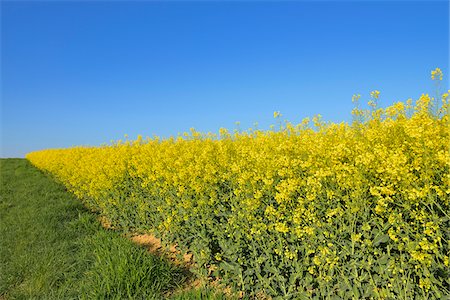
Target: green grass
(51, 247)
(205, 293)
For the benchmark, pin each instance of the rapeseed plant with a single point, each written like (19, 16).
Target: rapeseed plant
(310, 210)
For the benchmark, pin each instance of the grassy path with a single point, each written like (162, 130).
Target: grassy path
(51, 247)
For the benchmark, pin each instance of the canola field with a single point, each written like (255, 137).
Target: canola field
(302, 211)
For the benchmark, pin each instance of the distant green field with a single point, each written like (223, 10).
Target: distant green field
(51, 247)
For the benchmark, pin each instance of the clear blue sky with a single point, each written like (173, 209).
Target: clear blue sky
(86, 72)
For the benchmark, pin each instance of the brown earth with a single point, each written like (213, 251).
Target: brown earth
(154, 246)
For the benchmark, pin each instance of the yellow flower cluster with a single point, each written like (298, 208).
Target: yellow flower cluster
(268, 207)
(436, 74)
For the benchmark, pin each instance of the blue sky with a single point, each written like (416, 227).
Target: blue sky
(86, 73)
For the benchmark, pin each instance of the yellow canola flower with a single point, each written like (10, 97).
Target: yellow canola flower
(375, 94)
(436, 74)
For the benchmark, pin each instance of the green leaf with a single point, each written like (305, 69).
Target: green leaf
(382, 238)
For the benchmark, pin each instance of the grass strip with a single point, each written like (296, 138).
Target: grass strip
(51, 247)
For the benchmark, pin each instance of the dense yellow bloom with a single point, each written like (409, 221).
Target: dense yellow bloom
(306, 186)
